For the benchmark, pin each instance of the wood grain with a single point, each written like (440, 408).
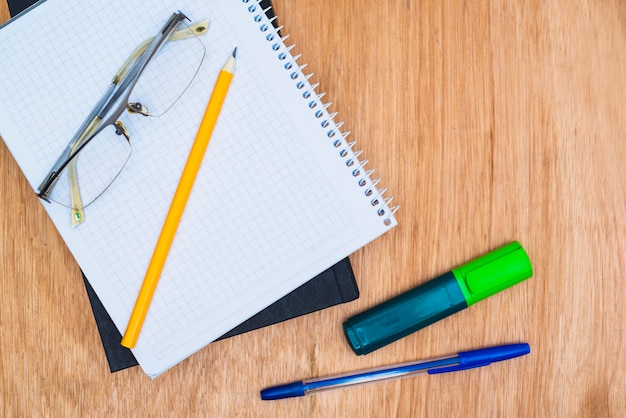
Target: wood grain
(489, 121)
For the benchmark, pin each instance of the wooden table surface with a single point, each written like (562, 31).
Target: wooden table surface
(489, 121)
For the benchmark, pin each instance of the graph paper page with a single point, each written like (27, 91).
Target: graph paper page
(277, 199)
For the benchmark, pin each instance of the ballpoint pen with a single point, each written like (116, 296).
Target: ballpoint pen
(461, 361)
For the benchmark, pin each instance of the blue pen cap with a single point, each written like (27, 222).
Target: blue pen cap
(289, 390)
(484, 357)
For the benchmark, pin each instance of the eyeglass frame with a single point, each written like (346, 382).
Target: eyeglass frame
(118, 92)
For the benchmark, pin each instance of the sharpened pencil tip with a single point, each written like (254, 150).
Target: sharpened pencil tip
(235, 52)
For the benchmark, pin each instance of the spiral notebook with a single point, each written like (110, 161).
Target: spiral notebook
(281, 195)
(333, 286)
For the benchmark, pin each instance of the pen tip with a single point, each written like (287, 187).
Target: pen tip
(235, 52)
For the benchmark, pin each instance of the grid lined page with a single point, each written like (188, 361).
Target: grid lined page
(274, 203)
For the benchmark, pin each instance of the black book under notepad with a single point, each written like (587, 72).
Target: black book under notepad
(334, 286)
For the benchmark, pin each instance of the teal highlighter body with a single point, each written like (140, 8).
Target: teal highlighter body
(438, 298)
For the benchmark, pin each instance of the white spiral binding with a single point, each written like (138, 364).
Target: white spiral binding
(362, 176)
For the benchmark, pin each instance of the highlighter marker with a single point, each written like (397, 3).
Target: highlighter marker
(438, 298)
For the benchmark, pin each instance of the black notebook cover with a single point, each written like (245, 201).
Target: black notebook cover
(334, 286)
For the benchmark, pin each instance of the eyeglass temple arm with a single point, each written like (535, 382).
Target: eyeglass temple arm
(197, 29)
(78, 211)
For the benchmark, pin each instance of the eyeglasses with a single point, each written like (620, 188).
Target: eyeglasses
(101, 147)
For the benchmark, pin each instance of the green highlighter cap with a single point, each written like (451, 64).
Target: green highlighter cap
(438, 298)
(492, 273)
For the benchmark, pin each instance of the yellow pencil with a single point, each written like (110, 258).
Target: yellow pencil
(178, 203)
